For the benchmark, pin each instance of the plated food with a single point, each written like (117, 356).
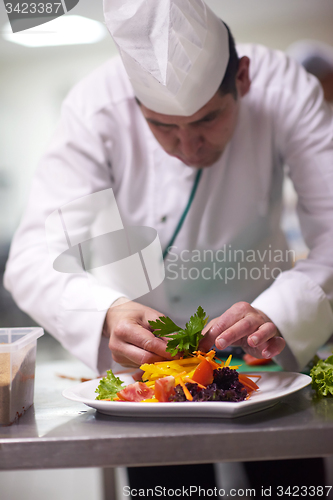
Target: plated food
(197, 378)
(274, 386)
(199, 383)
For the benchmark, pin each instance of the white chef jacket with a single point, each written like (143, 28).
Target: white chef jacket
(103, 141)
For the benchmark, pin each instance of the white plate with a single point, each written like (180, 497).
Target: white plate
(273, 387)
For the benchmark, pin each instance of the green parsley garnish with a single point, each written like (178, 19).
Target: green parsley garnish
(184, 341)
(109, 386)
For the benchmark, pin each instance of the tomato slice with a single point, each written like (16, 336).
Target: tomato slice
(252, 361)
(135, 392)
(164, 388)
(203, 373)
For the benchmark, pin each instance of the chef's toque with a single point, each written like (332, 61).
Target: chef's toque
(175, 51)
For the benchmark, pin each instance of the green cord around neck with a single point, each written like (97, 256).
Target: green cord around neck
(184, 214)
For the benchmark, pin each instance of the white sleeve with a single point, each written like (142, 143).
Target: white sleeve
(74, 166)
(300, 301)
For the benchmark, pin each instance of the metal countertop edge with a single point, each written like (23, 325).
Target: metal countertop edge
(55, 453)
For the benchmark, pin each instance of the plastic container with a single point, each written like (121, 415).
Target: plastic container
(17, 371)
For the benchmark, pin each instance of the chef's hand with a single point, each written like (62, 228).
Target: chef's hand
(244, 326)
(131, 340)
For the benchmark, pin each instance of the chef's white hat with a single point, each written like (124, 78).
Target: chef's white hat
(175, 51)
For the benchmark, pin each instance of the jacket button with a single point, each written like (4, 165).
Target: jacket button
(164, 218)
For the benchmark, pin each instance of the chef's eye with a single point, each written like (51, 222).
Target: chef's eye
(164, 126)
(208, 119)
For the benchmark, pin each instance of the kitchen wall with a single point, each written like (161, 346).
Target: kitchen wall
(31, 90)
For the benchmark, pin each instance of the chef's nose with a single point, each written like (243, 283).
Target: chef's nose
(190, 141)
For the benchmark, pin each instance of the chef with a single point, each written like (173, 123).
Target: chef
(191, 137)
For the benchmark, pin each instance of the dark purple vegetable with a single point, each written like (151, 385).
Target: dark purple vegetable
(225, 387)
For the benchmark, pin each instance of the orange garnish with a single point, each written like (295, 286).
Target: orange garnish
(204, 358)
(188, 379)
(249, 384)
(187, 393)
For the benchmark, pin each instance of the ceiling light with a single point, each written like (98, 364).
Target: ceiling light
(65, 30)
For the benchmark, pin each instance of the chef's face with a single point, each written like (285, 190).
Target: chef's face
(200, 139)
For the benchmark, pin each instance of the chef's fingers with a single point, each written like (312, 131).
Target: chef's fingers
(231, 316)
(274, 347)
(129, 333)
(137, 375)
(265, 332)
(225, 321)
(242, 328)
(132, 356)
(268, 349)
(208, 341)
(209, 326)
(148, 342)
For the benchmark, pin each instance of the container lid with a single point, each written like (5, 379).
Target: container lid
(13, 339)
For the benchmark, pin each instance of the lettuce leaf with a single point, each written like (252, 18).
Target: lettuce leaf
(109, 386)
(181, 340)
(322, 377)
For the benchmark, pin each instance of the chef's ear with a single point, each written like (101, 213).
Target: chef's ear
(243, 81)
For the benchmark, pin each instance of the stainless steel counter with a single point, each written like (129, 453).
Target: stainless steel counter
(60, 433)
